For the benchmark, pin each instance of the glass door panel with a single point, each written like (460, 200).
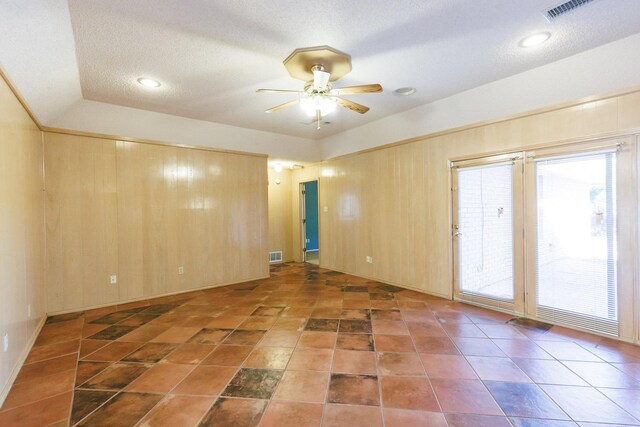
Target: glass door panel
(576, 241)
(485, 224)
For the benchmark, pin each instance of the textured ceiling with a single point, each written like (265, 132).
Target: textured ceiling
(211, 56)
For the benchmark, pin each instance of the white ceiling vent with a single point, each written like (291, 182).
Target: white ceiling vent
(275, 256)
(564, 8)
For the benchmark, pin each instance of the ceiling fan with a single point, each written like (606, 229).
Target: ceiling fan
(319, 67)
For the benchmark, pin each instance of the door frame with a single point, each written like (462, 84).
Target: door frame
(303, 219)
(515, 159)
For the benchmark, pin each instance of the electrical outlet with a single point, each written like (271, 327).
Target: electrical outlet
(369, 259)
(5, 343)
(114, 279)
(325, 209)
(308, 240)
(181, 270)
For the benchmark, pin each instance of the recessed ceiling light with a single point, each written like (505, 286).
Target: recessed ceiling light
(144, 81)
(405, 91)
(535, 39)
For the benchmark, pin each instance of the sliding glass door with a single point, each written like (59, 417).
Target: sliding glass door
(535, 233)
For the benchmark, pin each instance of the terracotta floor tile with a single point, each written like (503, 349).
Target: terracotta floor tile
(160, 378)
(600, 374)
(356, 314)
(89, 329)
(549, 372)
(310, 359)
(244, 337)
(56, 333)
(44, 352)
(268, 358)
(525, 349)
(426, 329)
(289, 324)
(280, 338)
(317, 340)
(629, 400)
(177, 335)
(268, 311)
(86, 370)
(465, 396)
(210, 336)
(408, 393)
(354, 362)
(587, 404)
(175, 411)
(326, 325)
(567, 351)
(463, 420)
(258, 323)
(89, 346)
(435, 345)
(405, 418)
(228, 355)
(378, 314)
(297, 312)
(352, 416)
(354, 304)
(354, 389)
(498, 369)
(115, 377)
(355, 326)
(112, 318)
(226, 322)
(399, 364)
(39, 388)
(524, 400)
(40, 413)
(145, 333)
(360, 342)
(112, 332)
(112, 352)
(205, 381)
(478, 347)
(326, 313)
(253, 383)
(389, 327)
(464, 330)
(631, 369)
(303, 386)
(292, 414)
(395, 343)
(87, 401)
(138, 319)
(46, 367)
(234, 412)
(123, 409)
(447, 366)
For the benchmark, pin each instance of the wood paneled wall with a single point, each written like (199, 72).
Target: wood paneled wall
(140, 211)
(280, 223)
(394, 203)
(21, 234)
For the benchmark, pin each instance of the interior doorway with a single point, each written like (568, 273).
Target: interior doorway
(310, 226)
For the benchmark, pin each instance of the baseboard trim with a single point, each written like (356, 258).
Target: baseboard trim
(153, 297)
(25, 353)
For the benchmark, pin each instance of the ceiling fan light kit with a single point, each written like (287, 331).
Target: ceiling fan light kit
(318, 67)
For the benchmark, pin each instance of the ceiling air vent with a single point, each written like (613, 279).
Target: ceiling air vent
(564, 8)
(275, 256)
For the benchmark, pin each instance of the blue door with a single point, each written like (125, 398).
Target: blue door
(311, 215)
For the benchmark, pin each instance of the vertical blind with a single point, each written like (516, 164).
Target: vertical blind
(576, 241)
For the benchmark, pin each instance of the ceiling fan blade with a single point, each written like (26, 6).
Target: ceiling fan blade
(278, 91)
(358, 108)
(373, 88)
(320, 80)
(281, 106)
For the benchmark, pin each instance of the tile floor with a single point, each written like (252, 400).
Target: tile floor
(310, 347)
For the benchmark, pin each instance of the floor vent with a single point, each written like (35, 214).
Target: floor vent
(275, 256)
(530, 324)
(564, 8)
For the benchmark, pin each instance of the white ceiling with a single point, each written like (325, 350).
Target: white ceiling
(211, 56)
(76, 62)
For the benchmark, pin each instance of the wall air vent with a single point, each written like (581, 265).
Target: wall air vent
(275, 256)
(564, 8)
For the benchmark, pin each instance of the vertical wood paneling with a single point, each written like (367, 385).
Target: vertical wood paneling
(141, 211)
(21, 233)
(280, 213)
(402, 193)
